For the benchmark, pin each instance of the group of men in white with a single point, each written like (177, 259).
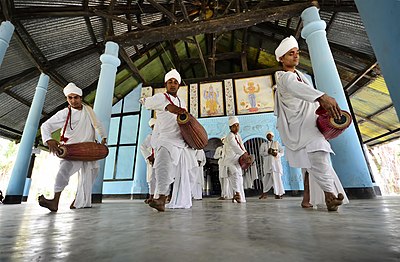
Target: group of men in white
(172, 162)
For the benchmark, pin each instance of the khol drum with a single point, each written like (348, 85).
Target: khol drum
(192, 131)
(86, 151)
(246, 160)
(331, 127)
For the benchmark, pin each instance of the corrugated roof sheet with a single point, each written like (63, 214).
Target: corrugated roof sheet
(14, 61)
(82, 72)
(59, 36)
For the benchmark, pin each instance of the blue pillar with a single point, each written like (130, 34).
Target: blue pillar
(16, 185)
(140, 185)
(349, 161)
(6, 32)
(381, 23)
(103, 104)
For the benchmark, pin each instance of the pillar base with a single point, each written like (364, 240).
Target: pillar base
(97, 198)
(9, 199)
(360, 193)
(24, 198)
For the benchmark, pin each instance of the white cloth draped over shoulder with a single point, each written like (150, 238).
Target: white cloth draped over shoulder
(296, 119)
(167, 135)
(82, 128)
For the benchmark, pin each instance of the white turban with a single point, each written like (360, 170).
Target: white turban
(172, 74)
(269, 133)
(286, 44)
(71, 88)
(152, 122)
(233, 120)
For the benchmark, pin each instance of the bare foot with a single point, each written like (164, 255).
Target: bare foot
(306, 205)
(157, 204)
(221, 198)
(332, 202)
(47, 203)
(263, 196)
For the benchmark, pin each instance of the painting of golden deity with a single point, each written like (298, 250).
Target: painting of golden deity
(211, 99)
(254, 95)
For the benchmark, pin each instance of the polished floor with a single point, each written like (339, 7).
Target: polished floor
(259, 230)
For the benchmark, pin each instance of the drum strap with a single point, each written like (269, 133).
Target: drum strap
(63, 138)
(240, 145)
(167, 96)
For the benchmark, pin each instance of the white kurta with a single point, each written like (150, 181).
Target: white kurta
(82, 128)
(197, 175)
(147, 150)
(234, 149)
(179, 159)
(226, 190)
(272, 167)
(305, 146)
(296, 123)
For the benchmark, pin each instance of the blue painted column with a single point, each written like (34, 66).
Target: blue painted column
(349, 161)
(16, 185)
(140, 185)
(6, 32)
(103, 104)
(382, 22)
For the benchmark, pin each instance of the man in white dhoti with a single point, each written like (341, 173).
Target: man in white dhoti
(173, 158)
(234, 150)
(226, 191)
(295, 105)
(271, 152)
(148, 154)
(197, 175)
(78, 123)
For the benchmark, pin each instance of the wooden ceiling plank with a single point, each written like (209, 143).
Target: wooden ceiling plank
(219, 25)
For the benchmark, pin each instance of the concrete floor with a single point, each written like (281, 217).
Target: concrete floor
(268, 230)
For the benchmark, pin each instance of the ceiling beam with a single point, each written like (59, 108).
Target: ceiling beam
(219, 25)
(20, 78)
(124, 55)
(163, 10)
(351, 87)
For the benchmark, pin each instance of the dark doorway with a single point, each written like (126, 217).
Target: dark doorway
(212, 186)
(253, 147)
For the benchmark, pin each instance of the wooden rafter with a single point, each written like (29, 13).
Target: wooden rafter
(120, 19)
(20, 78)
(349, 88)
(22, 100)
(244, 51)
(163, 10)
(124, 55)
(218, 25)
(36, 54)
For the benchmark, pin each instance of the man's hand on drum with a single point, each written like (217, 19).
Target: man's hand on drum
(330, 105)
(175, 109)
(53, 146)
(104, 141)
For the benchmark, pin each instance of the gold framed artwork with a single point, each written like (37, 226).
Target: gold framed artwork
(254, 95)
(211, 98)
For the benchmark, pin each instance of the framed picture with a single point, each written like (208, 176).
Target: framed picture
(254, 95)
(211, 99)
